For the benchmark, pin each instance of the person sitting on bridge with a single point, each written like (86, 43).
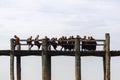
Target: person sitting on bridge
(48, 42)
(36, 42)
(54, 43)
(78, 37)
(84, 43)
(17, 41)
(29, 42)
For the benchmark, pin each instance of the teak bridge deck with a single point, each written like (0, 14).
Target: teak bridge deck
(46, 57)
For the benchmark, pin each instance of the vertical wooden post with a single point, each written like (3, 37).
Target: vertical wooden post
(18, 64)
(106, 58)
(77, 60)
(46, 61)
(104, 66)
(12, 59)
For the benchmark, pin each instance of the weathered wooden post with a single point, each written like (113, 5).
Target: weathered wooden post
(12, 59)
(106, 58)
(77, 60)
(46, 61)
(18, 63)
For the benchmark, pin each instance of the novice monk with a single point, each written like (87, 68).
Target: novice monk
(36, 41)
(29, 42)
(17, 41)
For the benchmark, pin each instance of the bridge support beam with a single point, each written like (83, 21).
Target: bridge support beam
(106, 58)
(46, 61)
(77, 60)
(18, 64)
(12, 59)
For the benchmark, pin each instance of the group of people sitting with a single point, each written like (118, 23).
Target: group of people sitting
(29, 41)
(87, 43)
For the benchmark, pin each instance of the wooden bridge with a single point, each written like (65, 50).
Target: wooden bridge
(46, 54)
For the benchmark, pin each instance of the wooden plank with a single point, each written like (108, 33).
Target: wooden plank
(58, 53)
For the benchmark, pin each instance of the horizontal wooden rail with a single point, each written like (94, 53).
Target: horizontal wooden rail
(69, 44)
(58, 53)
(99, 40)
(26, 40)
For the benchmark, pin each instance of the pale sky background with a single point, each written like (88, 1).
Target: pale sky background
(55, 18)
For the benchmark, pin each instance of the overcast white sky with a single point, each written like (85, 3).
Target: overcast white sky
(55, 18)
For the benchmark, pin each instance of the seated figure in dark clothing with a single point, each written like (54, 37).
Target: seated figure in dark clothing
(29, 42)
(36, 42)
